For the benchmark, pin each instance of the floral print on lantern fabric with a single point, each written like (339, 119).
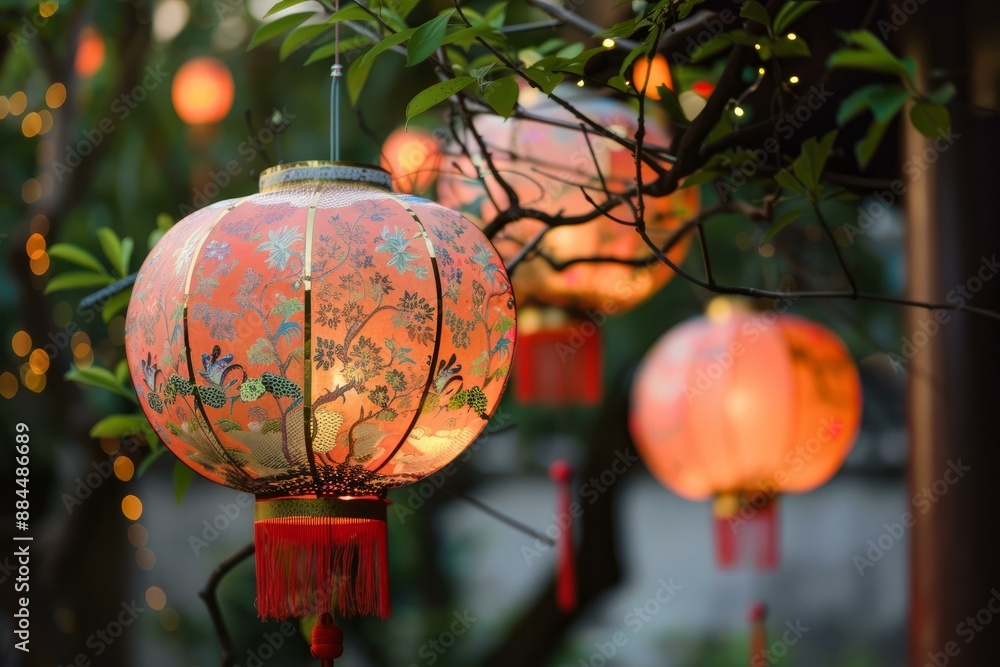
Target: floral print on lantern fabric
(326, 337)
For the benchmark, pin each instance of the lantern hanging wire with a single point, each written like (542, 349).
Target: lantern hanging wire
(336, 73)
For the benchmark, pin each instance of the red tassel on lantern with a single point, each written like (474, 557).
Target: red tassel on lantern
(559, 364)
(326, 641)
(314, 554)
(561, 472)
(758, 633)
(743, 527)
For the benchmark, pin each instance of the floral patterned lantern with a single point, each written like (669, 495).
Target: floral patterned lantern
(743, 406)
(316, 345)
(550, 167)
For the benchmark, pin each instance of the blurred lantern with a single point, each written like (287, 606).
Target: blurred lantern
(658, 73)
(89, 53)
(413, 159)
(550, 168)
(742, 407)
(316, 345)
(202, 91)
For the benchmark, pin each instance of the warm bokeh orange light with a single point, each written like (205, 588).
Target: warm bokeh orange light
(124, 468)
(31, 191)
(21, 343)
(18, 103)
(413, 158)
(156, 598)
(89, 53)
(131, 507)
(35, 246)
(138, 536)
(658, 72)
(40, 264)
(203, 91)
(55, 96)
(39, 361)
(8, 385)
(31, 124)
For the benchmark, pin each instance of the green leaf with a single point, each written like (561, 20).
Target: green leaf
(943, 94)
(701, 176)
(547, 81)
(856, 102)
(789, 182)
(887, 102)
(299, 37)
(789, 48)
(436, 94)
(785, 219)
(115, 305)
(112, 247)
(352, 12)
(387, 43)
(464, 37)
(281, 6)
(502, 95)
(789, 13)
(164, 222)
(865, 149)
(77, 280)
(100, 377)
(867, 41)
(76, 255)
(427, 38)
(128, 245)
(357, 75)
(867, 60)
(931, 120)
(115, 426)
(811, 161)
(755, 12)
(121, 372)
(671, 104)
(183, 476)
(150, 459)
(271, 30)
(715, 45)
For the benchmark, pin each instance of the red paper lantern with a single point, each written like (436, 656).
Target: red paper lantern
(742, 406)
(559, 356)
(318, 344)
(203, 91)
(413, 158)
(658, 72)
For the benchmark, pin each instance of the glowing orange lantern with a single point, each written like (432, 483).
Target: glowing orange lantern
(318, 344)
(413, 158)
(89, 53)
(202, 91)
(549, 168)
(743, 406)
(658, 72)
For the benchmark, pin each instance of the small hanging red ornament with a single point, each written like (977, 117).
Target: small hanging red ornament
(744, 406)
(561, 473)
(562, 170)
(316, 345)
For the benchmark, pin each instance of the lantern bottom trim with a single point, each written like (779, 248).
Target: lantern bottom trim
(745, 524)
(314, 555)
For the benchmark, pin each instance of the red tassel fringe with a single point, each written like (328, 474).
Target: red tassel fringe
(561, 473)
(306, 564)
(751, 532)
(559, 366)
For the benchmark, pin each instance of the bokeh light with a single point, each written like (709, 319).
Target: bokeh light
(169, 19)
(39, 361)
(8, 385)
(110, 446)
(40, 264)
(48, 8)
(18, 103)
(145, 558)
(124, 468)
(202, 91)
(156, 598)
(46, 117)
(89, 54)
(21, 343)
(31, 191)
(4, 106)
(31, 124)
(170, 619)
(35, 246)
(138, 536)
(131, 507)
(55, 96)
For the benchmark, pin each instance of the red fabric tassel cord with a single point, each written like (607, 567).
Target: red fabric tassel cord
(561, 473)
(305, 564)
(559, 365)
(745, 529)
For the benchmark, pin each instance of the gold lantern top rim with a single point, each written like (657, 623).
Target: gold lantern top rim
(323, 171)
